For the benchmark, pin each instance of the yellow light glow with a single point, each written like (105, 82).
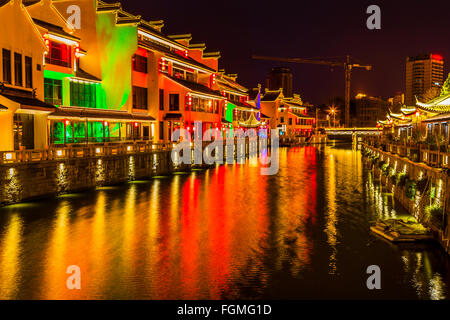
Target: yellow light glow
(59, 153)
(8, 156)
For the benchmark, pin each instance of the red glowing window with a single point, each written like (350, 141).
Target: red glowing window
(59, 54)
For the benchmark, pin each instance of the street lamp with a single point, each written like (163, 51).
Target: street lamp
(333, 112)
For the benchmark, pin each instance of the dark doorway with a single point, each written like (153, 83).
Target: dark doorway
(23, 131)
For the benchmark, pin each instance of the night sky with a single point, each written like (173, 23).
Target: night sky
(308, 29)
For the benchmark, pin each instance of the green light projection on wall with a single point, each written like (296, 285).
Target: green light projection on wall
(56, 75)
(118, 44)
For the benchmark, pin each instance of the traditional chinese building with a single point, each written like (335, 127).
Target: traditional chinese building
(288, 115)
(114, 78)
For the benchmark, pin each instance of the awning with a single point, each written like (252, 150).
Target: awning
(29, 103)
(3, 108)
(172, 116)
(91, 114)
(263, 116)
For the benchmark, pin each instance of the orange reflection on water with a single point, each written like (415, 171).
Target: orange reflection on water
(296, 207)
(10, 250)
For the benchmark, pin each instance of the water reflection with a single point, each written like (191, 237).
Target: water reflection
(227, 232)
(10, 250)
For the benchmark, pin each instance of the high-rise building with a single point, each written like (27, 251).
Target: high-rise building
(369, 110)
(280, 78)
(422, 73)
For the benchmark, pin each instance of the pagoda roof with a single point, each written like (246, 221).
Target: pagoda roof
(438, 118)
(437, 105)
(54, 29)
(271, 96)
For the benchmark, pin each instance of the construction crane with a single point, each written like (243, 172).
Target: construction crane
(347, 65)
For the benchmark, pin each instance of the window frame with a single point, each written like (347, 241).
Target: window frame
(140, 100)
(176, 106)
(6, 64)
(18, 69)
(140, 63)
(28, 72)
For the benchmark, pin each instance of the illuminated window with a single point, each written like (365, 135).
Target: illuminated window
(83, 94)
(178, 73)
(59, 54)
(190, 76)
(53, 91)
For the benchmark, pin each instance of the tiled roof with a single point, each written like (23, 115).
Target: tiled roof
(29, 102)
(243, 105)
(175, 56)
(227, 87)
(101, 114)
(196, 87)
(438, 118)
(80, 73)
(271, 96)
(150, 29)
(301, 116)
(55, 29)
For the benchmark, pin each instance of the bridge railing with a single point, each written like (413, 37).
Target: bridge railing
(80, 151)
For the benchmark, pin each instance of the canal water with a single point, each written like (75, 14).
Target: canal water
(227, 232)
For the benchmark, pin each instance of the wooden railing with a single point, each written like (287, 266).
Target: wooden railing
(417, 153)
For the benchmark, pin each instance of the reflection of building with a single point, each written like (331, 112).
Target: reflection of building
(280, 78)
(369, 110)
(422, 73)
